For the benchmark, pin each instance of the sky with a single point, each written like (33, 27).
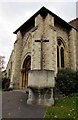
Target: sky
(13, 13)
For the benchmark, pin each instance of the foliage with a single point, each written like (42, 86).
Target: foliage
(2, 62)
(67, 81)
(0, 80)
(0, 83)
(5, 83)
(77, 80)
(65, 108)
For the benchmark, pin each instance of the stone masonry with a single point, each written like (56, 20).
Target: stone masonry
(52, 28)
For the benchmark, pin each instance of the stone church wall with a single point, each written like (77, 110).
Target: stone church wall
(63, 34)
(10, 64)
(18, 53)
(69, 38)
(49, 48)
(72, 48)
(77, 50)
(26, 45)
(36, 46)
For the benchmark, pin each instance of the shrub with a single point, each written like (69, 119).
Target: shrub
(77, 80)
(0, 81)
(5, 83)
(67, 81)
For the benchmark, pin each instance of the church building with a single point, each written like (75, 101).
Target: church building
(44, 42)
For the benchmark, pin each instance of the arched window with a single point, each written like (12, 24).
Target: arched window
(60, 54)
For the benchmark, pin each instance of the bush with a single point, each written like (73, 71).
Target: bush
(67, 81)
(77, 80)
(5, 83)
(0, 81)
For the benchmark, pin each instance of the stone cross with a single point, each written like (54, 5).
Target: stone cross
(41, 41)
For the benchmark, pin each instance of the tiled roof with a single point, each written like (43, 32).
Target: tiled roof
(74, 23)
(43, 11)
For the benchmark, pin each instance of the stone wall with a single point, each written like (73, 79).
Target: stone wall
(10, 64)
(36, 46)
(49, 48)
(77, 50)
(72, 49)
(18, 53)
(63, 34)
(69, 39)
(26, 45)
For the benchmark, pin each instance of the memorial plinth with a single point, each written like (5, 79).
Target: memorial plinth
(41, 84)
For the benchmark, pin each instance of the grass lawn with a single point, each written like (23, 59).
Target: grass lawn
(66, 109)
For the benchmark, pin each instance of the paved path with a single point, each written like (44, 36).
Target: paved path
(14, 106)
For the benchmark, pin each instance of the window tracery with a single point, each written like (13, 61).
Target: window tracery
(60, 54)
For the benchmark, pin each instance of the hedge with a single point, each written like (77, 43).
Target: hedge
(67, 81)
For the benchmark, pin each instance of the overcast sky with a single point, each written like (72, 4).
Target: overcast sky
(13, 14)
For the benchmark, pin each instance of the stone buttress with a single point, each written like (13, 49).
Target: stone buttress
(40, 89)
(18, 52)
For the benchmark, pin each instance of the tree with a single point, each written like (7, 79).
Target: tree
(2, 62)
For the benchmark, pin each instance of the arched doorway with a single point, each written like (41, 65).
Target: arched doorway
(26, 68)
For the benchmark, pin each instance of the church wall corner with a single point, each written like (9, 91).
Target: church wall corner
(72, 48)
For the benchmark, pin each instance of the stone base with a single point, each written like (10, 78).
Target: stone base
(11, 86)
(37, 97)
(41, 85)
(41, 79)
(48, 102)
